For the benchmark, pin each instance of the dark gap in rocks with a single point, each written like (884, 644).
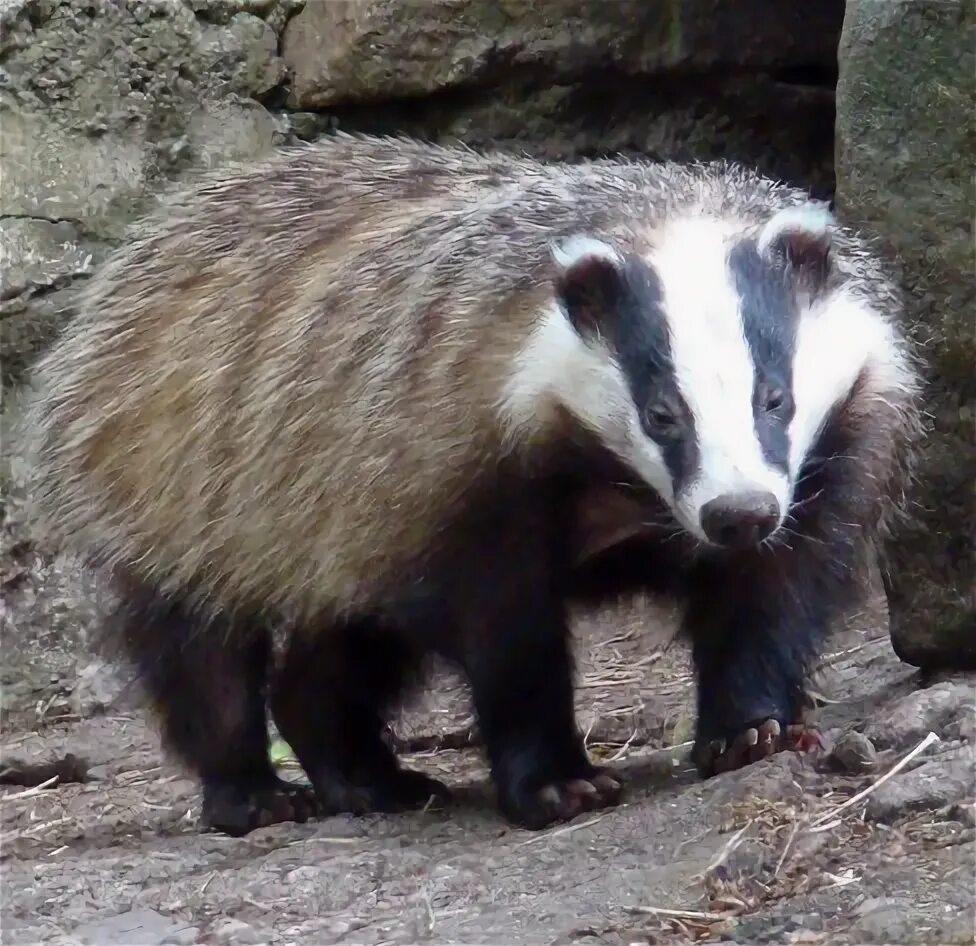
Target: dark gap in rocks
(817, 76)
(770, 120)
(37, 16)
(276, 98)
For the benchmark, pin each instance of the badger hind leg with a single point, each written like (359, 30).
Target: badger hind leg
(329, 699)
(521, 675)
(206, 677)
(513, 640)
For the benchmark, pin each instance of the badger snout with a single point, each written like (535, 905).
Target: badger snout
(740, 520)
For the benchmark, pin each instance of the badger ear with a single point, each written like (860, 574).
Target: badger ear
(801, 239)
(589, 281)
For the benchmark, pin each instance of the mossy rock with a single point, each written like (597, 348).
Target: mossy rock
(905, 148)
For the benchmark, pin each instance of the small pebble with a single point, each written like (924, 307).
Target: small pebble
(236, 933)
(853, 752)
(887, 920)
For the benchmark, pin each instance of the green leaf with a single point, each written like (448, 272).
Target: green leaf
(281, 753)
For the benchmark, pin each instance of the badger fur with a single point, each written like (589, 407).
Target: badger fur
(374, 390)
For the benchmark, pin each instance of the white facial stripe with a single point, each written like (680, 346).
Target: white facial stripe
(713, 367)
(836, 341)
(557, 367)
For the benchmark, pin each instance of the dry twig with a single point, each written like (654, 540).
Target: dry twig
(929, 740)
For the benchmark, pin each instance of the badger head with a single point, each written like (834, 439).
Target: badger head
(709, 363)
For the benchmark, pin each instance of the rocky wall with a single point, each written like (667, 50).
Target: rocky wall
(905, 147)
(101, 104)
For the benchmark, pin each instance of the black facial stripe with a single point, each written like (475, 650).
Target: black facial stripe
(769, 320)
(642, 341)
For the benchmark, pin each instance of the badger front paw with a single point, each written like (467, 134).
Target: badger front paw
(537, 802)
(724, 753)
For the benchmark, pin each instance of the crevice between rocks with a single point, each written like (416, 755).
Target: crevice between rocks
(74, 221)
(780, 120)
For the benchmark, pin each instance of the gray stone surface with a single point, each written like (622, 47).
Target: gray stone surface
(99, 687)
(887, 920)
(231, 932)
(132, 928)
(363, 50)
(79, 858)
(944, 708)
(905, 150)
(570, 78)
(37, 254)
(101, 104)
(936, 784)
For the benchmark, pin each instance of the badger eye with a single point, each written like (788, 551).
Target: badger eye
(662, 417)
(773, 399)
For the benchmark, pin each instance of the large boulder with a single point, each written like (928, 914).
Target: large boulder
(382, 49)
(751, 80)
(101, 103)
(905, 149)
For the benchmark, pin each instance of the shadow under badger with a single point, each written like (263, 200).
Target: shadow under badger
(373, 388)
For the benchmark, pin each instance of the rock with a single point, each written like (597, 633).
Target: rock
(964, 813)
(942, 709)
(102, 103)
(904, 103)
(39, 253)
(188, 936)
(887, 920)
(571, 78)
(853, 752)
(96, 91)
(134, 928)
(936, 784)
(97, 689)
(368, 50)
(236, 933)
(957, 930)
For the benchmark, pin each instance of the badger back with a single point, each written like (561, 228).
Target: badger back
(288, 377)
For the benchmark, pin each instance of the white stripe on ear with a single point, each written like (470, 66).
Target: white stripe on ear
(588, 282)
(572, 250)
(809, 223)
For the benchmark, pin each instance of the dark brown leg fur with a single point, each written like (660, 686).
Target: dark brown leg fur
(329, 701)
(513, 641)
(756, 625)
(206, 679)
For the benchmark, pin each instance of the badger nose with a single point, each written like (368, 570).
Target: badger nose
(740, 520)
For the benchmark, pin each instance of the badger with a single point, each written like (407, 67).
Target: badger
(404, 400)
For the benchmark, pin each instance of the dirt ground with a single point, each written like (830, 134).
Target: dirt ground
(764, 855)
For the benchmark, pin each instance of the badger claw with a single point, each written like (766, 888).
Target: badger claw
(754, 744)
(564, 800)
